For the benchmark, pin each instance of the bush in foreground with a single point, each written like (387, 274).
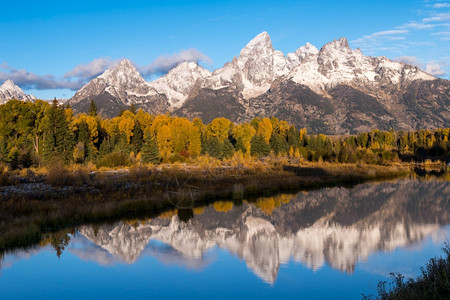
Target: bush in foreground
(434, 283)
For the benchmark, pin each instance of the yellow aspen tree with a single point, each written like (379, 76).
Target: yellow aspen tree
(445, 133)
(195, 141)
(219, 127)
(297, 153)
(243, 135)
(164, 140)
(265, 129)
(126, 125)
(302, 134)
(158, 122)
(145, 119)
(127, 115)
(282, 128)
(180, 128)
(291, 152)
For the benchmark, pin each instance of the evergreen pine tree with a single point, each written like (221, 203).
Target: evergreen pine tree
(3, 150)
(278, 144)
(137, 139)
(132, 108)
(105, 148)
(84, 137)
(227, 149)
(93, 109)
(214, 147)
(293, 138)
(259, 146)
(58, 140)
(150, 152)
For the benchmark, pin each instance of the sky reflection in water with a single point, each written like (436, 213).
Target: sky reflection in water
(332, 242)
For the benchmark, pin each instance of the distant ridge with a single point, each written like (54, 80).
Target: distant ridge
(9, 91)
(334, 90)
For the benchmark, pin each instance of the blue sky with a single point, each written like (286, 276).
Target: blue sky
(50, 48)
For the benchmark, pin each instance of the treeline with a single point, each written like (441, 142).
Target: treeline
(38, 133)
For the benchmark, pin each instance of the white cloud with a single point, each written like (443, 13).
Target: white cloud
(418, 25)
(389, 32)
(379, 36)
(441, 33)
(410, 60)
(165, 63)
(91, 69)
(28, 80)
(432, 67)
(435, 68)
(81, 74)
(438, 17)
(441, 5)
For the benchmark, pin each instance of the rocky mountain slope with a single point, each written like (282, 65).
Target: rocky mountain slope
(334, 90)
(334, 226)
(8, 91)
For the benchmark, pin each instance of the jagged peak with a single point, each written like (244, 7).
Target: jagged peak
(187, 65)
(8, 83)
(306, 50)
(262, 40)
(262, 37)
(258, 49)
(339, 44)
(125, 63)
(9, 90)
(122, 74)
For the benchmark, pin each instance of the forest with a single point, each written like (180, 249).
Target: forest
(35, 134)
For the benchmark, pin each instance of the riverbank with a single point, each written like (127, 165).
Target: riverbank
(62, 197)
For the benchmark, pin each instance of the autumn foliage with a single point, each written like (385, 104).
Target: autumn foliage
(38, 133)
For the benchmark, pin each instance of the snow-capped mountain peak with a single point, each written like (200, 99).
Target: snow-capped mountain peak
(259, 47)
(336, 63)
(123, 74)
(122, 82)
(302, 53)
(9, 90)
(177, 84)
(261, 81)
(253, 71)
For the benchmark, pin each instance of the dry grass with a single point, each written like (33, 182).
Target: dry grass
(7, 177)
(108, 194)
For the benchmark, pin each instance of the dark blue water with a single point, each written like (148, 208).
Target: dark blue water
(331, 243)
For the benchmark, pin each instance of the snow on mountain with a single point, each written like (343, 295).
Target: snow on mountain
(258, 65)
(294, 59)
(177, 84)
(253, 71)
(8, 91)
(122, 82)
(336, 63)
(335, 85)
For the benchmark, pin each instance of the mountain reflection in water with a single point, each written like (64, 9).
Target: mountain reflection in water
(334, 226)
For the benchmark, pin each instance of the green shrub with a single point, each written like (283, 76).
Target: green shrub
(115, 159)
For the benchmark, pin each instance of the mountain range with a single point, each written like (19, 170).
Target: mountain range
(334, 90)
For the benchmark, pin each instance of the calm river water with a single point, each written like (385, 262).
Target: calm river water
(332, 243)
